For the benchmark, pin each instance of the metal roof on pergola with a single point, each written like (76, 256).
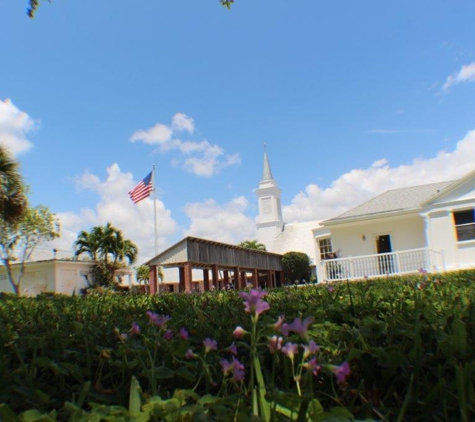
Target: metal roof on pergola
(203, 253)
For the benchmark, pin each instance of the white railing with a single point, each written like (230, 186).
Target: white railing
(394, 263)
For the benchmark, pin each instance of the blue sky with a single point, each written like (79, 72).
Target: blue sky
(351, 98)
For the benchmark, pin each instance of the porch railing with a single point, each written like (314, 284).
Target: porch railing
(394, 263)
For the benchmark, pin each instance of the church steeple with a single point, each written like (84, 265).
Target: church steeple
(269, 220)
(267, 174)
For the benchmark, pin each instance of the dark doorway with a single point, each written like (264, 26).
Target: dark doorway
(383, 245)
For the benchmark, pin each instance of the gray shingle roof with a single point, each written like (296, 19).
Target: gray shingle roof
(395, 200)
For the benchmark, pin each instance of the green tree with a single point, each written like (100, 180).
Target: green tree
(18, 240)
(253, 244)
(296, 266)
(89, 243)
(108, 246)
(13, 203)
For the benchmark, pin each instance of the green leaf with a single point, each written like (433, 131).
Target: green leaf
(135, 402)
(7, 414)
(315, 410)
(162, 372)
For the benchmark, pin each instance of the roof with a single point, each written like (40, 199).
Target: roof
(393, 201)
(296, 237)
(204, 253)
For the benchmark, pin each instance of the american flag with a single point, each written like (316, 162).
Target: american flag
(142, 190)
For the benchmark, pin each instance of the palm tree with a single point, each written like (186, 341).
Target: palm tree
(13, 202)
(89, 243)
(253, 244)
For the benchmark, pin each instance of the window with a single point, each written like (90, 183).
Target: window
(465, 224)
(326, 250)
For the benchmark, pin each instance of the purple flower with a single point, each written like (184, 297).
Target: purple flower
(275, 344)
(341, 371)
(233, 349)
(210, 344)
(290, 350)
(239, 372)
(331, 289)
(310, 349)
(312, 366)
(234, 366)
(298, 326)
(239, 332)
(190, 354)
(158, 320)
(184, 334)
(135, 330)
(253, 303)
(168, 335)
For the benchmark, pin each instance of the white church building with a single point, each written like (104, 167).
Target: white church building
(419, 228)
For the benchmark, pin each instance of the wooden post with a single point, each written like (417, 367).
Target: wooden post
(215, 276)
(153, 279)
(255, 278)
(188, 279)
(206, 280)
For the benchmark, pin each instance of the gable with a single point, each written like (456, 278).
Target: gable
(460, 192)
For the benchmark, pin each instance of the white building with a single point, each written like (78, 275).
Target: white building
(428, 227)
(63, 276)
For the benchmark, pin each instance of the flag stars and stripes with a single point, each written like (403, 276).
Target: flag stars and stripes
(142, 190)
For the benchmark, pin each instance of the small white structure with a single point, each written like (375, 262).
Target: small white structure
(428, 227)
(64, 276)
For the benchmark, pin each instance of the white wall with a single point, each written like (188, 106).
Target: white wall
(48, 276)
(355, 239)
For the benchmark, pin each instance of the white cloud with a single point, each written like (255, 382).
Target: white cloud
(181, 122)
(221, 222)
(14, 126)
(135, 220)
(197, 157)
(159, 134)
(465, 74)
(360, 185)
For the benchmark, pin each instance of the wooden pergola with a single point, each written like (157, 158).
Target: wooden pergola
(232, 261)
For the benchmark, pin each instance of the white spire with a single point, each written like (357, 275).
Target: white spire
(267, 173)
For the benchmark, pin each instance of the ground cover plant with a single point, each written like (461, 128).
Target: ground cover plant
(393, 349)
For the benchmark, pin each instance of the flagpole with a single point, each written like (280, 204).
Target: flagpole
(154, 209)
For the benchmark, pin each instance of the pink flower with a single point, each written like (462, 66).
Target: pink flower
(298, 326)
(253, 303)
(168, 335)
(233, 349)
(210, 344)
(290, 350)
(331, 289)
(313, 366)
(184, 334)
(190, 354)
(279, 322)
(275, 344)
(310, 349)
(158, 320)
(341, 372)
(239, 332)
(135, 330)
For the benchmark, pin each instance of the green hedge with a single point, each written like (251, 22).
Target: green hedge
(410, 343)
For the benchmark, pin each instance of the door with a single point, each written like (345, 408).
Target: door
(383, 246)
